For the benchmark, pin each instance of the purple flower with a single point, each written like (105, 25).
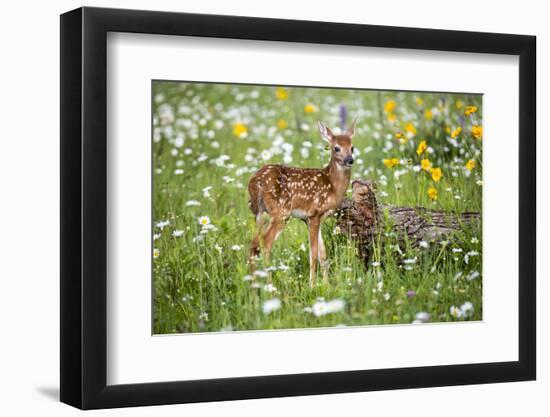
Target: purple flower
(343, 116)
(411, 293)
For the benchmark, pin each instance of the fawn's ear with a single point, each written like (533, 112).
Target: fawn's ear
(351, 130)
(325, 132)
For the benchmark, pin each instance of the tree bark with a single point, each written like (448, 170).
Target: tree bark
(364, 221)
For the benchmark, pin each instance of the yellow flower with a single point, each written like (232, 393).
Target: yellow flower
(436, 174)
(456, 132)
(477, 131)
(448, 130)
(156, 253)
(426, 165)
(282, 124)
(459, 104)
(419, 101)
(240, 129)
(389, 106)
(428, 114)
(390, 163)
(432, 193)
(391, 117)
(401, 137)
(471, 164)
(422, 146)
(409, 127)
(470, 110)
(310, 108)
(281, 93)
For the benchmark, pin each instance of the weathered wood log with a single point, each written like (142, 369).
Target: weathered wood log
(363, 220)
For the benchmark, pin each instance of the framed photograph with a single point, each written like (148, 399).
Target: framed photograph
(257, 208)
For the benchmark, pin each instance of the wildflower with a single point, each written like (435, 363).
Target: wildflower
(261, 274)
(410, 129)
(455, 312)
(240, 130)
(204, 220)
(270, 288)
(401, 137)
(471, 164)
(437, 174)
(432, 193)
(248, 278)
(178, 171)
(281, 93)
(192, 203)
(272, 305)
(456, 132)
(391, 117)
(203, 316)
(467, 309)
(422, 317)
(422, 146)
(470, 110)
(424, 244)
(321, 307)
(236, 247)
(310, 108)
(474, 240)
(282, 124)
(411, 293)
(473, 275)
(156, 236)
(419, 101)
(266, 155)
(426, 165)
(162, 224)
(177, 233)
(390, 163)
(389, 106)
(477, 132)
(156, 253)
(428, 114)
(206, 191)
(459, 104)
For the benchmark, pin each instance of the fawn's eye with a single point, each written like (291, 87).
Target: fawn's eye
(352, 149)
(336, 149)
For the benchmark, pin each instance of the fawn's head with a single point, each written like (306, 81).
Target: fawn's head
(341, 148)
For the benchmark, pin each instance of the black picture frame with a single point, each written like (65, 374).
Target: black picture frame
(84, 207)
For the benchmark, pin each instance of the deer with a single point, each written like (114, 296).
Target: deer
(309, 194)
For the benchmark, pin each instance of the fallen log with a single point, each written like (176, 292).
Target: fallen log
(365, 221)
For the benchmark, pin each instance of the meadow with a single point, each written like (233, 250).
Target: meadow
(420, 149)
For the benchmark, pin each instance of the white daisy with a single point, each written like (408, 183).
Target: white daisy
(204, 220)
(272, 305)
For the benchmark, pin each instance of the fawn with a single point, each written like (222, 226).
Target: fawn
(310, 194)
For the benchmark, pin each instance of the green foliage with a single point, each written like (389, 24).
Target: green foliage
(208, 139)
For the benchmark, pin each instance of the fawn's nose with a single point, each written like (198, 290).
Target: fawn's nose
(348, 160)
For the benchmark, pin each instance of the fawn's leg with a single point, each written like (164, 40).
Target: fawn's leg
(255, 244)
(271, 234)
(313, 225)
(323, 257)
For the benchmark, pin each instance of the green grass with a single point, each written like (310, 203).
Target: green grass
(199, 277)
